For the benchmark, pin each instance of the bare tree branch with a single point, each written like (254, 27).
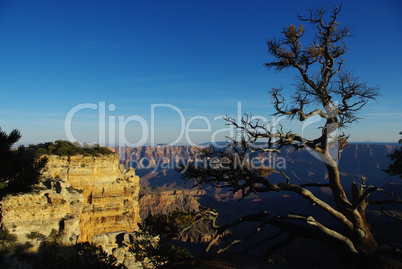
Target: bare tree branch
(314, 230)
(279, 245)
(320, 185)
(324, 90)
(263, 241)
(219, 231)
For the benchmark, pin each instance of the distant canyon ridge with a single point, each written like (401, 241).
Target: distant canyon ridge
(156, 165)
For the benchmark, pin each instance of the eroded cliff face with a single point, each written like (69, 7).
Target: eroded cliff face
(162, 200)
(154, 200)
(78, 196)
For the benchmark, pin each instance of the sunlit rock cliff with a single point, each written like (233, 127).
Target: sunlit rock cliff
(79, 197)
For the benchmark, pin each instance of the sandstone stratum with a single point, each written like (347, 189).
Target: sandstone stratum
(79, 197)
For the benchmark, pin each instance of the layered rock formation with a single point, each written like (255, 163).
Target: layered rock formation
(162, 200)
(154, 200)
(78, 196)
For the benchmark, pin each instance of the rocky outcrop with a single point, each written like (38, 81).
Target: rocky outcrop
(154, 200)
(162, 200)
(79, 197)
(118, 244)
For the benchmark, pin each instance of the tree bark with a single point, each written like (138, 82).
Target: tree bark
(361, 234)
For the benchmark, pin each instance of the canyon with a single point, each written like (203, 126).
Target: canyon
(78, 196)
(101, 199)
(89, 199)
(157, 165)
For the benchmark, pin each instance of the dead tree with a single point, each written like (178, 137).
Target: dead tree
(326, 90)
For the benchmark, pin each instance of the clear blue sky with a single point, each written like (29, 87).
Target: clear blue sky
(201, 57)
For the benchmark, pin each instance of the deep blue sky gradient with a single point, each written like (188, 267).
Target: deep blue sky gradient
(202, 57)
